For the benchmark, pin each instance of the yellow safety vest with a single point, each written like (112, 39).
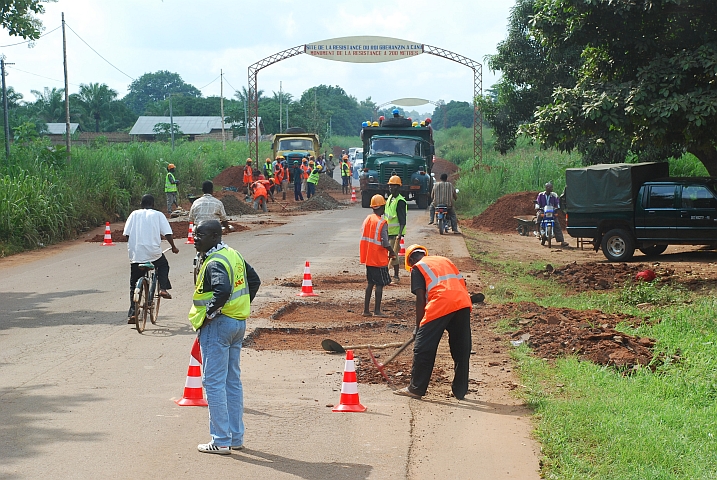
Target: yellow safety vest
(391, 215)
(238, 305)
(169, 186)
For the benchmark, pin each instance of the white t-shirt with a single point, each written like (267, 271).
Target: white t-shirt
(146, 228)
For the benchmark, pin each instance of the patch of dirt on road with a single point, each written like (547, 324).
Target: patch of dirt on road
(591, 275)
(320, 201)
(588, 334)
(179, 230)
(230, 177)
(325, 282)
(235, 204)
(328, 184)
(498, 217)
(318, 312)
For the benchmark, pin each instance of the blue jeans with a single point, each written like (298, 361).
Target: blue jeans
(310, 190)
(297, 192)
(221, 341)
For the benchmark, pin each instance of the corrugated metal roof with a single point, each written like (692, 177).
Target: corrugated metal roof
(187, 125)
(60, 128)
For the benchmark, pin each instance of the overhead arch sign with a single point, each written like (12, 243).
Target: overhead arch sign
(364, 49)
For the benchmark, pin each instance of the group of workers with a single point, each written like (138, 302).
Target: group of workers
(274, 178)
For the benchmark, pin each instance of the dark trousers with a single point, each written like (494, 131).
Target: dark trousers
(162, 267)
(297, 192)
(310, 189)
(428, 337)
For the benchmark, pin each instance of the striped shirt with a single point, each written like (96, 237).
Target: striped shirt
(207, 207)
(442, 194)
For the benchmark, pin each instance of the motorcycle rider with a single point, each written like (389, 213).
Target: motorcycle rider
(445, 194)
(548, 197)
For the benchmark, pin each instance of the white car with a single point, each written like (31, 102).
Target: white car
(357, 157)
(352, 152)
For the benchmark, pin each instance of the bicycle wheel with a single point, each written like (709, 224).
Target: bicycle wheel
(141, 295)
(154, 296)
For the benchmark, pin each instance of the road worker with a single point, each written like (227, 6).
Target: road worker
(278, 174)
(396, 212)
(312, 182)
(296, 175)
(260, 195)
(375, 253)
(345, 174)
(248, 176)
(170, 188)
(304, 173)
(442, 303)
(268, 169)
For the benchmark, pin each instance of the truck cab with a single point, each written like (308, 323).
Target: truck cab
(295, 144)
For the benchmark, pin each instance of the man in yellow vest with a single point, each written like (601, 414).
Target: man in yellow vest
(396, 212)
(442, 303)
(170, 188)
(225, 287)
(375, 252)
(313, 181)
(345, 175)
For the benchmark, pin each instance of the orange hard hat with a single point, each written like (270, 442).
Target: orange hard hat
(377, 201)
(395, 180)
(410, 250)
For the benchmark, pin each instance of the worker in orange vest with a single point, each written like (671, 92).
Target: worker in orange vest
(248, 176)
(260, 195)
(278, 174)
(442, 303)
(304, 174)
(375, 251)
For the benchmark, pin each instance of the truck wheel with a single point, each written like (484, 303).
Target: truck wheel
(618, 245)
(422, 201)
(653, 250)
(365, 199)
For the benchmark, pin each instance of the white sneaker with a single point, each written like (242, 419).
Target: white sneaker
(211, 448)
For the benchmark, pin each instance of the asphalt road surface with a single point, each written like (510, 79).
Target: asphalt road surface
(83, 395)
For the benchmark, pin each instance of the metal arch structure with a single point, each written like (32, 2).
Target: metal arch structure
(253, 92)
(477, 90)
(393, 102)
(253, 100)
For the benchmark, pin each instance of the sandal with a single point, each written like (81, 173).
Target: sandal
(367, 314)
(165, 294)
(405, 392)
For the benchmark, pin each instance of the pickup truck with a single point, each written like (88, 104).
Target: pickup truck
(627, 206)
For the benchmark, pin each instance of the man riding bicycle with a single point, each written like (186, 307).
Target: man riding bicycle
(144, 230)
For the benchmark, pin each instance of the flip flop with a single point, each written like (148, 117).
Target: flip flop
(165, 295)
(380, 315)
(367, 314)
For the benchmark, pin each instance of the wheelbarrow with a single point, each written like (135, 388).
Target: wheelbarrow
(527, 224)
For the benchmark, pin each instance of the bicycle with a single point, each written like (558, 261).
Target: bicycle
(144, 296)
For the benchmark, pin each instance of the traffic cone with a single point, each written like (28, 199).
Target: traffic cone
(307, 290)
(190, 235)
(353, 194)
(108, 236)
(402, 253)
(349, 388)
(193, 387)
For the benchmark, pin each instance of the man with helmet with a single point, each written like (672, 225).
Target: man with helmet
(549, 197)
(312, 181)
(375, 253)
(396, 212)
(248, 176)
(345, 174)
(442, 303)
(330, 165)
(396, 113)
(296, 175)
(170, 188)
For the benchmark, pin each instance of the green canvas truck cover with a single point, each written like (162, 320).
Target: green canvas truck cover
(608, 187)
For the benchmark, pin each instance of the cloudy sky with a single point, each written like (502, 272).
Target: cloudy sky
(198, 38)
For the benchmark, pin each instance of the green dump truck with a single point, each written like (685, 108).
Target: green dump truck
(296, 144)
(397, 148)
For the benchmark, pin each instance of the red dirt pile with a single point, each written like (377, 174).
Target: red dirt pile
(179, 230)
(441, 166)
(230, 177)
(498, 217)
(592, 275)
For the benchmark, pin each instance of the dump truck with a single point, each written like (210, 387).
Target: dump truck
(624, 206)
(397, 148)
(294, 144)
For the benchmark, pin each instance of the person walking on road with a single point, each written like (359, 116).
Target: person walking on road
(226, 286)
(442, 303)
(248, 176)
(549, 197)
(375, 252)
(396, 213)
(444, 193)
(207, 207)
(345, 175)
(296, 175)
(144, 230)
(312, 182)
(170, 188)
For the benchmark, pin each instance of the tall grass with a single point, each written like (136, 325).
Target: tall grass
(45, 200)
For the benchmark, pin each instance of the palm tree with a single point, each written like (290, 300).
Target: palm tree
(95, 100)
(50, 104)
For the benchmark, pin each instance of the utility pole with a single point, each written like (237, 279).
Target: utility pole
(280, 107)
(221, 107)
(171, 121)
(246, 126)
(68, 142)
(287, 115)
(5, 109)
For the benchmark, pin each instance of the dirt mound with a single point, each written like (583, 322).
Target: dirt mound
(592, 275)
(230, 177)
(441, 166)
(587, 334)
(320, 202)
(328, 184)
(234, 203)
(498, 217)
(179, 230)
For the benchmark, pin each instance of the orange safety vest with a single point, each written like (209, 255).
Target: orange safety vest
(259, 189)
(305, 170)
(373, 254)
(278, 173)
(446, 290)
(267, 184)
(248, 172)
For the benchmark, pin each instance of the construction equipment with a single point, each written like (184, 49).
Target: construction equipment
(382, 366)
(332, 346)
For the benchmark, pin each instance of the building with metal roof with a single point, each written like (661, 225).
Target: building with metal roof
(192, 127)
(61, 128)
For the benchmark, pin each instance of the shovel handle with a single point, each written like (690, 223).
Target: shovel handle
(375, 347)
(401, 349)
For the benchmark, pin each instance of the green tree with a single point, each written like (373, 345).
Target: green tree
(50, 104)
(154, 87)
(94, 101)
(119, 118)
(18, 17)
(452, 114)
(646, 81)
(163, 131)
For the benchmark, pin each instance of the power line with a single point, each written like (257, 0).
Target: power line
(205, 86)
(230, 85)
(42, 76)
(29, 41)
(103, 58)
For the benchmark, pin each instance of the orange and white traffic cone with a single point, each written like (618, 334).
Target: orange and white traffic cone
(307, 290)
(108, 236)
(193, 396)
(349, 388)
(353, 194)
(190, 235)
(402, 253)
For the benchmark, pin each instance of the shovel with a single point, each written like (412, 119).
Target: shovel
(332, 346)
(381, 366)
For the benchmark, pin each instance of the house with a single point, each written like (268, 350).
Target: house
(194, 128)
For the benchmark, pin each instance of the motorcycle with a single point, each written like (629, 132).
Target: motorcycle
(547, 225)
(443, 220)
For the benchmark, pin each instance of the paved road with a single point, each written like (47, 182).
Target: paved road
(82, 395)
